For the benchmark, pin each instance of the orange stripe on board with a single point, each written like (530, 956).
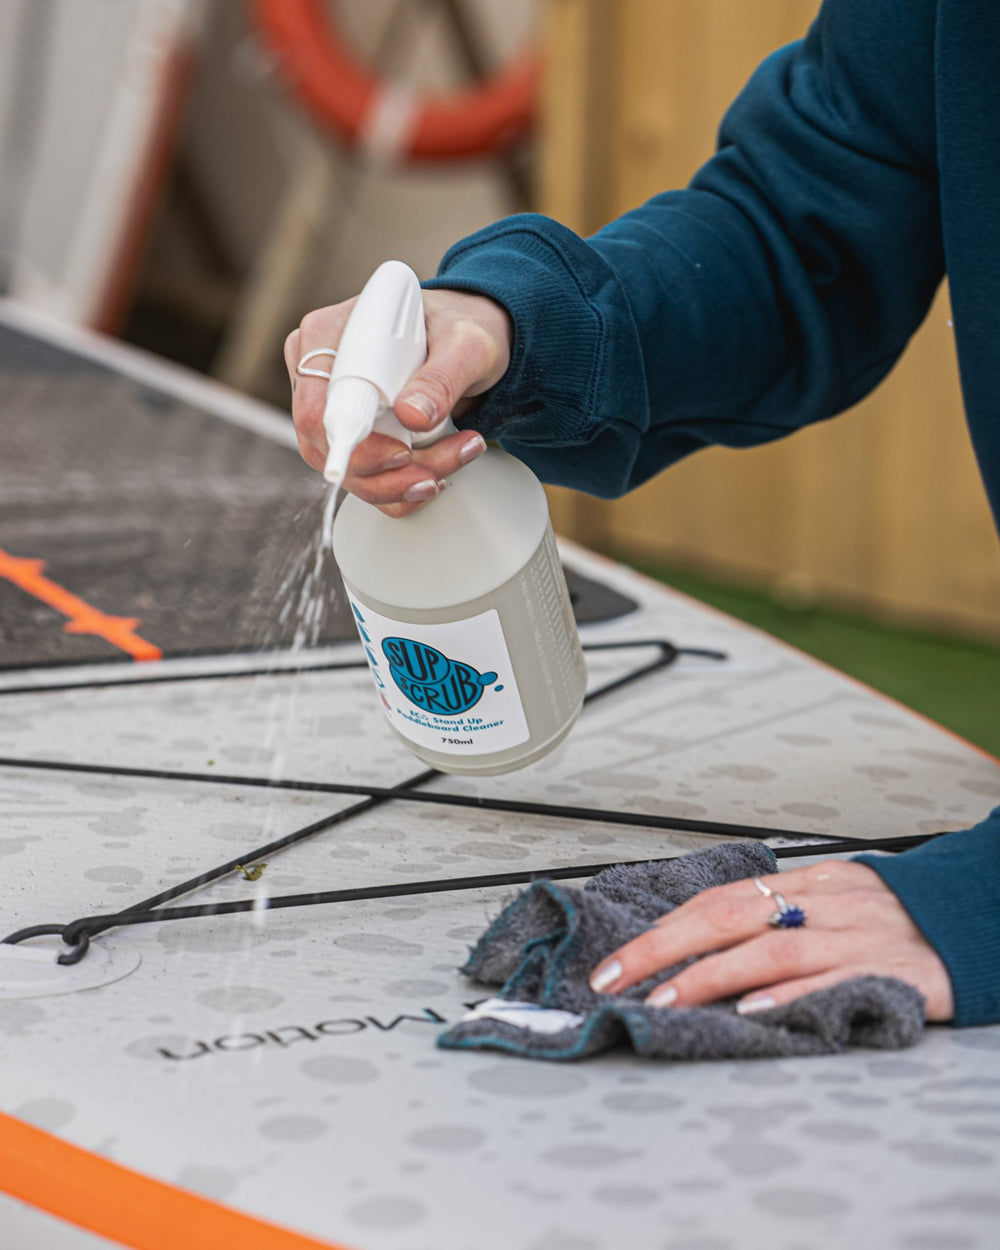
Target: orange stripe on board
(125, 1206)
(29, 575)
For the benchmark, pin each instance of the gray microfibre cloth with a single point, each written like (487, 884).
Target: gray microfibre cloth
(543, 946)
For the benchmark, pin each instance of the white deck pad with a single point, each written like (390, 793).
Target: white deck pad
(283, 1062)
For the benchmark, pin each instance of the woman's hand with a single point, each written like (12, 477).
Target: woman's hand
(468, 350)
(855, 926)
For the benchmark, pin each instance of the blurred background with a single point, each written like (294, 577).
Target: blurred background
(192, 176)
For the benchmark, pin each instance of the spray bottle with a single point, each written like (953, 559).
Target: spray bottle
(461, 607)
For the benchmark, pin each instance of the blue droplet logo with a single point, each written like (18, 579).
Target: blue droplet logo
(433, 682)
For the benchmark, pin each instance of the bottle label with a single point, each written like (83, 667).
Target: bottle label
(448, 688)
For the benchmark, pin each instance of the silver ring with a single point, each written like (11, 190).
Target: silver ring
(314, 373)
(762, 887)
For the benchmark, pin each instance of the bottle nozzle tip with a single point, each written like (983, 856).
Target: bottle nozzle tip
(333, 470)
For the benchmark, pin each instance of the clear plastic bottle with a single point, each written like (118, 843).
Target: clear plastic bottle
(462, 607)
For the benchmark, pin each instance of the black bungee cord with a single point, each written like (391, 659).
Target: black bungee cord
(78, 933)
(668, 654)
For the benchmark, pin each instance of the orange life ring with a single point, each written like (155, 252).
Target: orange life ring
(366, 112)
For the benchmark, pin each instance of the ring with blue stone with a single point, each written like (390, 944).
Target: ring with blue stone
(788, 915)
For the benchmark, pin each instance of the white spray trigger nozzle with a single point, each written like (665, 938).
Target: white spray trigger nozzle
(384, 343)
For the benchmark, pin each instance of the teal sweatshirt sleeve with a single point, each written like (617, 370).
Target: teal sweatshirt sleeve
(773, 292)
(951, 888)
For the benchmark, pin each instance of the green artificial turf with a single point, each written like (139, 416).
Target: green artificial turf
(954, 681)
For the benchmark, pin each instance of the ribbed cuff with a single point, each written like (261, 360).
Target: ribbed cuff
(558, 392)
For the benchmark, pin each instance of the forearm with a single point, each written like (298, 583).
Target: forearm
(629, 352)
(774, 292)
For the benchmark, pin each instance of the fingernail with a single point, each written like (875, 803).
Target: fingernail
(424, 405)
(426, 489)
(397, 461)
(662, 996)
(473, 448)
(607, 975)
(749, 1005)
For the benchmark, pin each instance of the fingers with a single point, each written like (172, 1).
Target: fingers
(445, 457)
(468, 339)
(853, 921)
(712, 921)
(385, 473)
(719, 918)
(314, 458)
(767, 997)
(378, 455)
(769, 959)
(321, 328)
(920, 968)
